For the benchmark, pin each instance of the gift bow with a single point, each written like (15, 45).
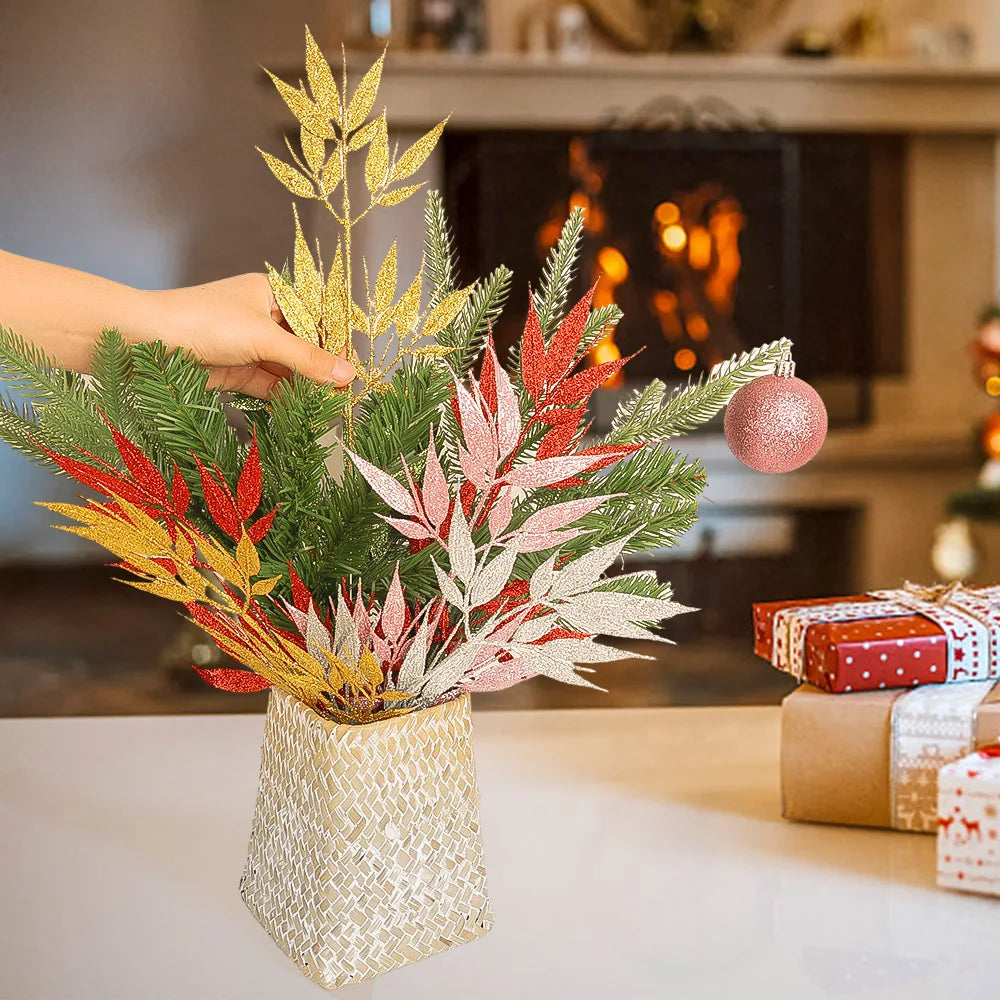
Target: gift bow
(937, 593)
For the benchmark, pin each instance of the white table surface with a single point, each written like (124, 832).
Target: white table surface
(632, 854)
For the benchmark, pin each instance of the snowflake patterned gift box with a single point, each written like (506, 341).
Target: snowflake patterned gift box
(872, 758)
(885, 639)
(969, 823)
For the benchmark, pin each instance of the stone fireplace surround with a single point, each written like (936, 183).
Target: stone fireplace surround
(898, 470)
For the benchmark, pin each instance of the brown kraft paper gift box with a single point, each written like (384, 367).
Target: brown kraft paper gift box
(841, 756)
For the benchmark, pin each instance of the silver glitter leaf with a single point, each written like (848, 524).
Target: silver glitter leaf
(491, 579)
(542, 579)
(448, 587)
(461, 550)
(411, 673)
(582, 573)
(448, 672)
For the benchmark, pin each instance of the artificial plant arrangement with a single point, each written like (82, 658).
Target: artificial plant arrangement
(462, 546)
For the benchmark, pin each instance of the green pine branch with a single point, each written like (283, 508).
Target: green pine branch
(468, 331)
(439, 255)
(560, 269)
(652, 415)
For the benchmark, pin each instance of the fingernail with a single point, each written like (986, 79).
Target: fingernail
(343, 371)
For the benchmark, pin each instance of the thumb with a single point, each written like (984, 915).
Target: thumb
(277, 345)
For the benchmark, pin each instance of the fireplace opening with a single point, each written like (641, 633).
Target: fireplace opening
(711, 242)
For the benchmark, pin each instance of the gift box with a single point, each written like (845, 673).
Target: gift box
(884, 639)
(968, 847)
(872, 758)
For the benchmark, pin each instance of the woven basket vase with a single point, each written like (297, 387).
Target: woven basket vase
(365, 853)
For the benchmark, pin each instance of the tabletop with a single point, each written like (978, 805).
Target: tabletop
(632, 853)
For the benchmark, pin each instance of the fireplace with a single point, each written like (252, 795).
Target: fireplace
(711, 242)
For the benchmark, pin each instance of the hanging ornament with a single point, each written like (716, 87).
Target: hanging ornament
(777, 422)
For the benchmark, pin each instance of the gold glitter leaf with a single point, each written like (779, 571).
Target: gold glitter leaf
(321, 82)
(313, 149)
(432, 351)
(363, 135)
(385, 283)
(364, 97)
(408, 307)
(335, 326)
(246, 557)
(262, 587)
(308, 281)
(387, 199)
(296, 314)
(413, 159)
(444, 312)
(289, 176)
(377, 161)
(304, 110)
(369, 668)
(332, 174)
(359, 318)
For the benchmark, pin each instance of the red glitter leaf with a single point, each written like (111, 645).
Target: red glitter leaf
(580, 387)
(180, 492)
(566, 342)
(261, 526)
(250, 486)
(557, 441)
(220, 503)
(608, 454)
(467, 494)
(559, 633)
(533, 353)
(301, 597)
(145, 474)
(561, 415)
(488, 379)
(236, 681)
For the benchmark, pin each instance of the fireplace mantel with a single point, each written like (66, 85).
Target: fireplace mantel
(510, 90)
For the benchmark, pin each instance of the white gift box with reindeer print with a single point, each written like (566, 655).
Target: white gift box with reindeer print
(969, 823)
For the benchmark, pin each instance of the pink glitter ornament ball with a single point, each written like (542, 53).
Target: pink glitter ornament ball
(776, 423)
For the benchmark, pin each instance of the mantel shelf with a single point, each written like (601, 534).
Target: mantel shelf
(512, 90)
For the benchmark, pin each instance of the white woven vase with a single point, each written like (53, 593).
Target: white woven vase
(365, 853)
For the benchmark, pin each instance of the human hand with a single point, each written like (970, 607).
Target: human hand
(234, 326)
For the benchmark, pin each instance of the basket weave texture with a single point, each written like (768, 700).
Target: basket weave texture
(365, 853)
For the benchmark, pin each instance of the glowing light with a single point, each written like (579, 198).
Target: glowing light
(579, 200)
(613, 263)
(549, 234)
(664, 301)
(991, 436)
(697, 327)
(685, 359)
(993, 385)
(674, 238)
(667, 213)
(700, 248)
(606, 350)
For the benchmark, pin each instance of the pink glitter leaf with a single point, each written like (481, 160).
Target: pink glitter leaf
(437, 500)
(385, 486)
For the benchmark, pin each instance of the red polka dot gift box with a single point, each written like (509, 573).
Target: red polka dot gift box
(885, 639)
(968, 847)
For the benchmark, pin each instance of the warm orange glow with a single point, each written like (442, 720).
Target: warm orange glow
(613, 263)
(664, 301)
(604, 294)
(548, 235)
(993, 385)
(700, 248)
(674, 238)
(685, 359)
(667, 213)
(725, 225)
(606, 350)
(579, 200)
(697, 327)
(991, 436)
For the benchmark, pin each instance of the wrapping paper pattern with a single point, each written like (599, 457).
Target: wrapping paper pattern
(930, 727)
(365, 853)
(883, 640)
(968, 847)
